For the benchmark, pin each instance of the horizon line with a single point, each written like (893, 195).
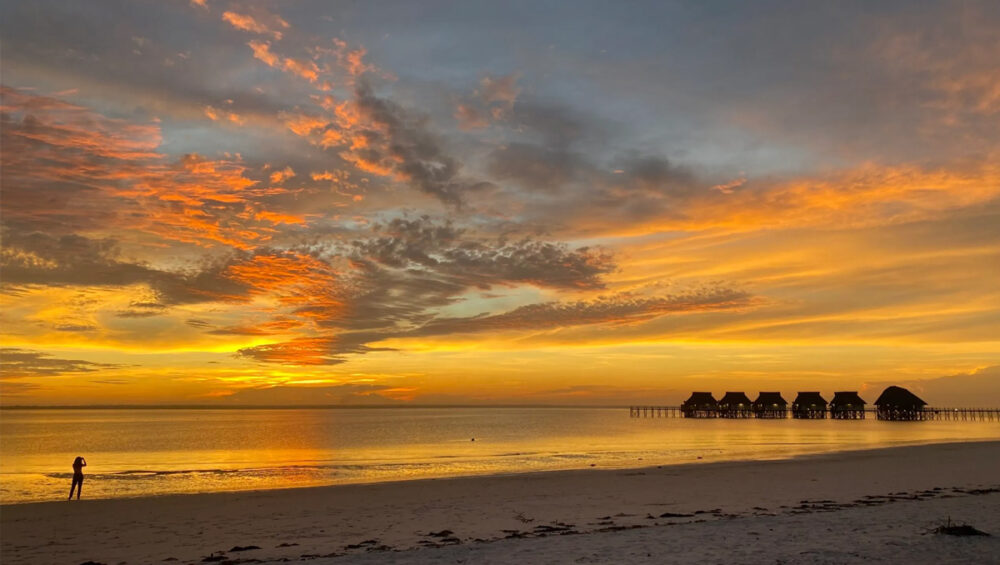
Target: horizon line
(287, 406)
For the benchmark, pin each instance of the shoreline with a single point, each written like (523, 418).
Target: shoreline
(526, 474)
(405, 519)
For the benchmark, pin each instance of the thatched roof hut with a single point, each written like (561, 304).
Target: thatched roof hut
(897, 403)
(735, 405)
(809, 406)
(700, 405)
(770, 405)
(847, 405)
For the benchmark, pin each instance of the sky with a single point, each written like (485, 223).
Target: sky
(315, 202)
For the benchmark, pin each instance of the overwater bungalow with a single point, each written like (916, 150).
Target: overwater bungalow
(847, 406)
(809, 406)
(770, 405)
(700, 405)
(898, 404)
(735, 405)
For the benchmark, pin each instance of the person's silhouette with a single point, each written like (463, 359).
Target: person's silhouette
(78, 464)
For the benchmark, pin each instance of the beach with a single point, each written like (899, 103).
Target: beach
(847, 507)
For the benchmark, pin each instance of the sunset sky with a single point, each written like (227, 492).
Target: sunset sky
(215, 201)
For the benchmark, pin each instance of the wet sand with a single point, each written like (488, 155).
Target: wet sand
(836, 508)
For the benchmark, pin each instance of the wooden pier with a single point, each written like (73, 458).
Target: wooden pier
(963, 414)
(928, 413)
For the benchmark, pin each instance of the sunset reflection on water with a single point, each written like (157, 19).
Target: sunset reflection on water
(154, 452)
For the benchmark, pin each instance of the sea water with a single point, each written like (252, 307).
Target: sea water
(149, 452)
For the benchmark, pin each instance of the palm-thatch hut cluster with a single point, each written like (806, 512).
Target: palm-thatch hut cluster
(895, 403)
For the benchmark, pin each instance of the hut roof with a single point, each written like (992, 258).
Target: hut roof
(700, 399)
(770, 398)
(735, 398)
(899, 396)
(848, 397)
(810, 398)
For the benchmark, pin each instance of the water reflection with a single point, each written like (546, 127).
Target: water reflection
(150, 452)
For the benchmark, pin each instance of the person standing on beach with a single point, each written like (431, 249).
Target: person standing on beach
(78, 464)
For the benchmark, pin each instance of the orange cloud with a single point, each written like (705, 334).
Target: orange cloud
(301, 68)
(245, 22)
(277, 218)
(352, 60)
(120, 181)
(278, 177)
(305, 69)
(262, 51)
(215, 115)
(302, 124)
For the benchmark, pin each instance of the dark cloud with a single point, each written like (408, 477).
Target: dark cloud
(399, 142)
(139, 309)
(73, 260)
(16, 363)
(38, 258)
(137, 314)
(406, 270)
(74, 328)
(467, 261)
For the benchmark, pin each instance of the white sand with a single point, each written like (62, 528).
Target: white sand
(760, 516)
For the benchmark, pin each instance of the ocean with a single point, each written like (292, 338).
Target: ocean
(150, 452)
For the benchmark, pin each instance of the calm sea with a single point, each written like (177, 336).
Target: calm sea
(153, 452)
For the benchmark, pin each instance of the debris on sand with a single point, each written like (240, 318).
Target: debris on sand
(950, 529)
(244, 548)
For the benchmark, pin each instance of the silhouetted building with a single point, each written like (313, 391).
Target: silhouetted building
(735, 405)
(770, 405)
(847, 406)
(898, 404)
(809, 406)
(700, 405)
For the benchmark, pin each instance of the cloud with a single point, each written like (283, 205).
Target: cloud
(312, 395)
(245, 22)
(617, 309)
(481, 263)
(536, 167)
(352, 60)
(470, 118)
(502, 90)
(392, 142)
(411, 267)
(391, 283)
(68, 170)
(73, 260)
(19, 363)
(299, 67)
(328, 350)
(493, 100)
